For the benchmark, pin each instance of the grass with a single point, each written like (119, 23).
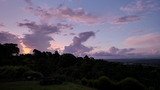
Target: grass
(33, 85)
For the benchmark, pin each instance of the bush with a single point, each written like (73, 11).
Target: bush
(32, 75)
(130, 84)
(50, 81)
(12, 72)
(84, 81)
(46, 81)
(92, 83)
(104, 83)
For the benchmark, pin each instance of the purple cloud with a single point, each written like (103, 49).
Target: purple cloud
(141, 6)
(29, 2)
(77, 47)
(6, 37)
(42, 28)
(126, 19)
(40, 39)
(114, 52)
(61, 12)
(72, 34)
(37, 41)
(2, 25)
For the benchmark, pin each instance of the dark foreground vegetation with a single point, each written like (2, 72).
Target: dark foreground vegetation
(54, 69)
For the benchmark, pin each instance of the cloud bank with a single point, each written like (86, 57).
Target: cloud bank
(114, 52)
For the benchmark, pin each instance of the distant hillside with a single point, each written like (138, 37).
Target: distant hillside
(136, 61)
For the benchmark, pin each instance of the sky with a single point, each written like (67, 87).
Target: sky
(98, 28)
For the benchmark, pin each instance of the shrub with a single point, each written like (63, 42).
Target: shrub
(92, 83)
(50, 81)
(46, 81)
(32, 75)
(84, 81)
(130, 84)
(12, 72)
(104, 83)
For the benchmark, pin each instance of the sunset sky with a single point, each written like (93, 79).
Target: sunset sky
(98, 28)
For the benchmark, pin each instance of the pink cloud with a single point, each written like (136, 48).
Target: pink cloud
(143, 40)
(147, 44)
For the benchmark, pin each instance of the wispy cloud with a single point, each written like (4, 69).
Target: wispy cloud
(62, 12)
(146, 44)
(126, 19)
(141, 6)
(150, 39)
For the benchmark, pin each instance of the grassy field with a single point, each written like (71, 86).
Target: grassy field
(29, 85)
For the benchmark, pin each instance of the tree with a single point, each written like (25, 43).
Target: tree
(8, 49)
(37, 52)
(56, 54)
(67, 60)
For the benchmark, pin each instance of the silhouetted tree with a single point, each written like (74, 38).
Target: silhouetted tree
(37, 53)
(8, 49)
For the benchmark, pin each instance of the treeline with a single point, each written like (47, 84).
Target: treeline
(86, 70)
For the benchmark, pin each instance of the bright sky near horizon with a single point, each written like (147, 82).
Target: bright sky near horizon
(99, 28)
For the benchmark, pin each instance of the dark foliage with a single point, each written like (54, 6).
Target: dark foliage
(50, 81)
(84, 81)
(104, 83)
(32, 75)
(130, 84)
(67, 67)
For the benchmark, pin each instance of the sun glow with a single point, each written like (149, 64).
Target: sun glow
(25, 49)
